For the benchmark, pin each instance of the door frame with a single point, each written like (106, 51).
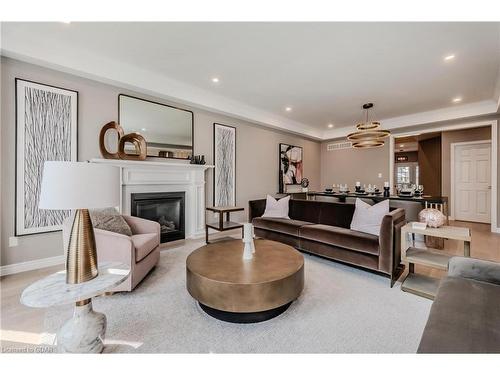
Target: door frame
(493, 123)
(453, 147)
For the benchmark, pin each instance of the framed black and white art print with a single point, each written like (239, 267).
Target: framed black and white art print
(46, 129)
(225, 165)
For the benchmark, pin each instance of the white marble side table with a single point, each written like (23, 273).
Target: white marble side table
(84, 333)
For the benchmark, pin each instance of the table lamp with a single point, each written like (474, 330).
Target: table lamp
(80, 186)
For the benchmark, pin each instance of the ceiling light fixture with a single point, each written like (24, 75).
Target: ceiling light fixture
(449, 57)
(369, 134)
(143, 129)
(330, 126)
(288, 109)
(215, 80)
(457, 100)
(401, 146)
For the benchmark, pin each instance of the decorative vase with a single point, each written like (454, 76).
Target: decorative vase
(249, 246)
(432, 217)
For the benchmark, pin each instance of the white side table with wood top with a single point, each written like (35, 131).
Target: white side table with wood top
(84, 332)
(426, 286)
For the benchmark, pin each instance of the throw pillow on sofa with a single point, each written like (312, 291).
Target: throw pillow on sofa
(110, 219)
(277, 209)
(367, 218)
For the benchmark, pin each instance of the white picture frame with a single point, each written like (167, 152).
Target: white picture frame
(46, 129)
(225, 165)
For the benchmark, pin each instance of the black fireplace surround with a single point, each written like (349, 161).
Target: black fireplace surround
(167, 209)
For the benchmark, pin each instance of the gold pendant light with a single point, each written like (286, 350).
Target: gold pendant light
(369, 134)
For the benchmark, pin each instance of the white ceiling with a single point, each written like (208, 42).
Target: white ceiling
(324, 71)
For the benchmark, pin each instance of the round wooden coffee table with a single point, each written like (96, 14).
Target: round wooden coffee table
(245, 291)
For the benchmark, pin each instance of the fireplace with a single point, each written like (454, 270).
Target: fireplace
(167, 209)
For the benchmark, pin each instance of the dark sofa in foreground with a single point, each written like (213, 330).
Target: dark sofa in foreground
(465, 315)
(322, 228)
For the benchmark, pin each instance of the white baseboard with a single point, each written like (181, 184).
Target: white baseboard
(10, 269)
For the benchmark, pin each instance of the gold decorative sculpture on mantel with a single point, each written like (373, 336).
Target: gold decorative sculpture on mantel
(139, 143)
(114, 126)
(135, 138)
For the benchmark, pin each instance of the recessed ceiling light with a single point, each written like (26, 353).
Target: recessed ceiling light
(457, 100)
(330, 125)
(288, 109)
(215, 80)
(143, 129)
(449, 57)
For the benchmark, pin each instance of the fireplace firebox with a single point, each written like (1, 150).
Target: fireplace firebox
(167, 209)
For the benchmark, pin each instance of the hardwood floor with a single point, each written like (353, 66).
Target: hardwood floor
(22, 327)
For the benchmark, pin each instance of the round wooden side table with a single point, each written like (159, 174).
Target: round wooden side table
(84, 332)
(245, 291)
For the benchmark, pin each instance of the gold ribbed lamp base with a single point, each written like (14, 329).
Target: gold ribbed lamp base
(81, 260)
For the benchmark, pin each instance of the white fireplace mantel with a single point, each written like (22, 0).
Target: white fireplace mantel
(159, 176)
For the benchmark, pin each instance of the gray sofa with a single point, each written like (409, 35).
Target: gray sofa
(323, 228)
(465, 315)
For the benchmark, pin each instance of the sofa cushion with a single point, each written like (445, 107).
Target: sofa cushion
(341, 237)
(287, 226)
(305, 210)
(144, 244)
(277, 208)
(464, 318)
(367, 218)
(336, 214)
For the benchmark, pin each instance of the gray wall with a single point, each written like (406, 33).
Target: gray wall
(256, 159)
(350, 165)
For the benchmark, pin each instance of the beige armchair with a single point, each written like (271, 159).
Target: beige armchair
(140, 252)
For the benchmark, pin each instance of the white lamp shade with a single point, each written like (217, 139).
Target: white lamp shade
(76, 185)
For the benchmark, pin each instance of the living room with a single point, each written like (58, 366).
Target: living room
(238, 182)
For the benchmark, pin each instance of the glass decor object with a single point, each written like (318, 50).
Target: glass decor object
(432, 217)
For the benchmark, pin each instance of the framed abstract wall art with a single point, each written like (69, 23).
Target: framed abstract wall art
(46, 129)
(290, 165)
(225, 165)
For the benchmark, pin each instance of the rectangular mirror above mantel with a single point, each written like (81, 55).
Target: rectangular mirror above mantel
(168, 130)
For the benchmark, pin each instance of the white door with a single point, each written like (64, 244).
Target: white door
(473, 182)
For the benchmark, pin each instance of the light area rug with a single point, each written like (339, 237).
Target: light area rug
(341, 310)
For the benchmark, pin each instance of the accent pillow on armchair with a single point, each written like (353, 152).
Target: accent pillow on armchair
(111, 220)
(367, 218)
(277, 209)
